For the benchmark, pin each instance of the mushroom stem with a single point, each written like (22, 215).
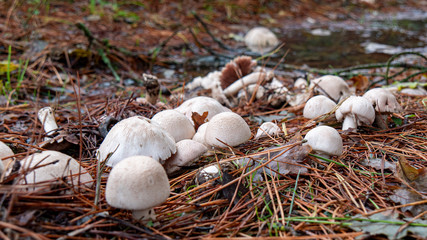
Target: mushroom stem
(381, 120)
(152, 88)
(349, 122)
(47, 119)
(144, 215)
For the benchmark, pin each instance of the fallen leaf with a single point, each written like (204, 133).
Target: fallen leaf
(405, 196)
(376, 163)
(382, 224)
(198, 119)
(360, 82)
(416, 177)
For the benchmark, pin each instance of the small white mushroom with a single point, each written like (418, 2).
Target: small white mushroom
(137, 183)
(250, 90)
(175, 123)
(54, 165)
(317, 106)
(300, 84)
(200, 134)
(384, 103)
(261, 40)
(267, 128)
(207, 174)
(325, 141)
(47, 119)
(200, 105)
(228, 127)
(136, 136)
(5, 153)
(187, 151)
(354, 111)
(333, 87)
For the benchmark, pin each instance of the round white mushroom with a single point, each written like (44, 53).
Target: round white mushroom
(261, 40)
(267, 128)
(200, 134)
(200, 105)
(137, 183)
(384, 103)
(52, 165)
(333, 87)
(354, 111)
(227, 127)
(325, 141)
(5, 160)
(317, 106)
(136, 136)
(175, 123)
(187, 151)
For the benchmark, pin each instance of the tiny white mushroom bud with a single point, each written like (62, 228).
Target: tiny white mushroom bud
(228, 127)
(317, 106)
(267, 128)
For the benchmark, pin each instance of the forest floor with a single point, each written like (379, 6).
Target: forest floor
(85, 59)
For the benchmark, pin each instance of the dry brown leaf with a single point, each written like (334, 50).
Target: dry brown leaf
(416, 177)
(198, 119)
(360, 82)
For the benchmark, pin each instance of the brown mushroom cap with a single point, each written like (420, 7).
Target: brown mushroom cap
(228, 127)
(137, 183)
(383, 100)
(175, 123)
(136, 136)
(333, 87)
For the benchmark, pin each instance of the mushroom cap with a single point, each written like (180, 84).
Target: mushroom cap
(300, 83)
(200, 134)
(187, 151)
(269, 128)
(331, 86)
(261, 40)
(136, 183)
(64, 166)
(200, 105)
(136, 136)
(175, 123)
(318, 105)
(325, 140)
(228, 127)
(383, 100)
(5, 152)
(358, 107)
(47, 119)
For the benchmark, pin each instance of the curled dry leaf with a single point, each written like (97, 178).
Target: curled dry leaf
(416, 177)
(199, 119)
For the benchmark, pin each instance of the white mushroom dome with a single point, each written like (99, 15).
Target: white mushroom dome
(333, 87)
(137, 183)
(187, 151)
(51, 165)
(354, 111)
(136, 136)
(200, 105)
(174, 123)
(5, 152)
(325, 141)
(317, 106)
(269, 128)
(261, 40)
(228, 127)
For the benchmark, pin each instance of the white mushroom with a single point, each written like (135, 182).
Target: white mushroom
(175, 123)
(252, 78)
(333, 87)
(354, 111)
(267, 128)
(200, 105)
(200, 134)
(47, 119)
(384, 103)
(228, 127)
(137, 183)
(324, 141)
(51, 165)
(136, 136)
(5, 153)
(317, 106)
(261, 40)
(187, 151)
(300, 84)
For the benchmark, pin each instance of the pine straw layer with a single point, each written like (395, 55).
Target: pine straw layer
(257, 208)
